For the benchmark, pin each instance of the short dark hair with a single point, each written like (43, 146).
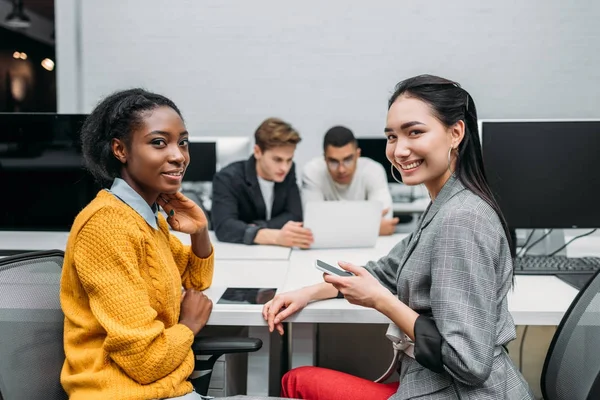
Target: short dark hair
(275, 132)
(115, 117)
(338, 136)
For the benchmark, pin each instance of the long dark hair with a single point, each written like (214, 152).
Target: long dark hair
(451, 103)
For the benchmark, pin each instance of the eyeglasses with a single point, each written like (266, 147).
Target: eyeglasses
(335, 164)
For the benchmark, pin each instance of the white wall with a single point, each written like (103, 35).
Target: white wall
(68, 56)
(230, 64)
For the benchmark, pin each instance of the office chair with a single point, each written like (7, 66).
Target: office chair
(572, 365)
(31, 331)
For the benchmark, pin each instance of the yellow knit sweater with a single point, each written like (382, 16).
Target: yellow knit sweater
(120, 292)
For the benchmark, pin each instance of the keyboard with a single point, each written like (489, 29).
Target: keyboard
(551, 265)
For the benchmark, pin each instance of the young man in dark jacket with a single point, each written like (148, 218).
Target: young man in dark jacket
(257, 201)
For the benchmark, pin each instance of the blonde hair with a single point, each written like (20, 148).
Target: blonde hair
(274, 132)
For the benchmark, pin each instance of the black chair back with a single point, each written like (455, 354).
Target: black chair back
(572, 366)
(31, 326)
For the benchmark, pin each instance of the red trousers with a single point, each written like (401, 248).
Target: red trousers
(314, 383)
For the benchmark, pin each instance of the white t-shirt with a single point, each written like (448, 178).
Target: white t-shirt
(266, 189)
(368, 183)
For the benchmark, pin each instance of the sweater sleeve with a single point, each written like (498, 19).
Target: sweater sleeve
(106, 256)
(195, 272)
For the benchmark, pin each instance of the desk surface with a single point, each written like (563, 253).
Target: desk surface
(17, 240)
(247, 274)
(535, 300)
(242, 252)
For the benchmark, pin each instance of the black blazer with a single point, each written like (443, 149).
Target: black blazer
(238, 209)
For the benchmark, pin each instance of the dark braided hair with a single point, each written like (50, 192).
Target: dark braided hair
(115, 117)
(451, 103)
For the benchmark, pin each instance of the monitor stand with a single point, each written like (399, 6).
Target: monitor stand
(546, 246)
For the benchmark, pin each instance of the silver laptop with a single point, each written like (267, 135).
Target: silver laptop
(339, 224)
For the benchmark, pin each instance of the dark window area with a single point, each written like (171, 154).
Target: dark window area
(25, 84)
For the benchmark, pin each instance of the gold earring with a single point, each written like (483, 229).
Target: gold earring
(392, 168)
(450, 157)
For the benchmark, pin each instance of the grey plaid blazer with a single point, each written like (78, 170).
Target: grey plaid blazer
(456, 269)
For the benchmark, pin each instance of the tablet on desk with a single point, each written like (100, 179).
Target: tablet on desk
(247, 295)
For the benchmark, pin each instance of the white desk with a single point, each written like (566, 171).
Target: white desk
(303, 273)
(249, 274)
(234, 251)
(24, 240)
(21, 240)
(535, 300)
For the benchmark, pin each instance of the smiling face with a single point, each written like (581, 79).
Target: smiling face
(157, 155)
(418, 143)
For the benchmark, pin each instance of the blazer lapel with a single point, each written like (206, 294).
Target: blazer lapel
(254, 189)
(452, 186)
(449, 190)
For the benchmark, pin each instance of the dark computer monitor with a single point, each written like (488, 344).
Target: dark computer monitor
(374, 148)
(544, 174)
(44, 185)
(203, 161)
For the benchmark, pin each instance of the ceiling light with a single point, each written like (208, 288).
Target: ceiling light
(17, 54)
(17, 17)
(48, 64)
(23, 56)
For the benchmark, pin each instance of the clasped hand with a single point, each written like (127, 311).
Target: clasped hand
(195, 310)
(293, 234)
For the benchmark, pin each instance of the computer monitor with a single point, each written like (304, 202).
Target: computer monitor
(231, 149)
(203, 161)
(221, 151)
(544, 173)
(374, 148)
(43, 182)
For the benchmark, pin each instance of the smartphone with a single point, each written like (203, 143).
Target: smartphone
(330, 269)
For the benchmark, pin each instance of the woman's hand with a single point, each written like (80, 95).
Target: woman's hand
(183, 214)
(282, 306)
(361, 289)
(195, 310)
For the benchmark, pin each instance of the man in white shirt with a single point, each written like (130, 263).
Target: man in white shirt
(342, 174)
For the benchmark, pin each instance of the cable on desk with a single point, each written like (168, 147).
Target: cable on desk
(537, 241)
(571, 241)
(526, 242)
(521, 348)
